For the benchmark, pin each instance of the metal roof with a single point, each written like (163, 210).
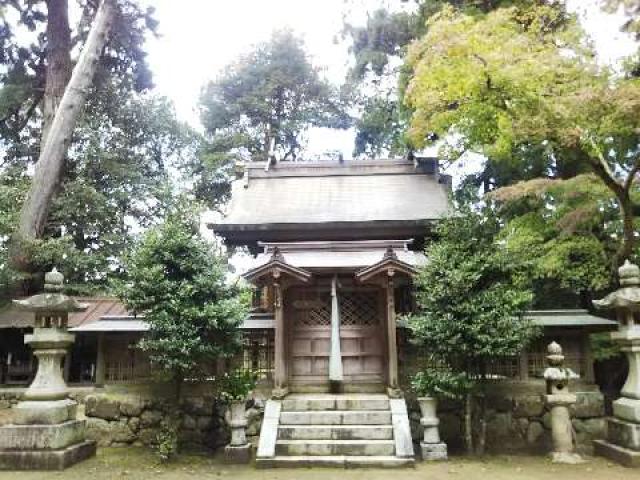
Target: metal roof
(113, 324)
(254, 321)
(351, 191)
(13, 317)
(570, 318)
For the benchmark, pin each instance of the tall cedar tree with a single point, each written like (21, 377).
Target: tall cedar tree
(266, 100)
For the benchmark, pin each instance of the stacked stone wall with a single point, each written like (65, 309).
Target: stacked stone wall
(518, 422)
(121, 419)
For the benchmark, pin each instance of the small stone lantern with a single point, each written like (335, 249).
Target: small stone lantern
(238, 450)
(559, 400)
(45, 434)
(431, 446)
(623, 430)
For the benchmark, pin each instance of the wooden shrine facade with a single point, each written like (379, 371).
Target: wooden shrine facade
(334, 309)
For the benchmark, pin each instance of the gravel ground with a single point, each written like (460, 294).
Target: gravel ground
(140, 464)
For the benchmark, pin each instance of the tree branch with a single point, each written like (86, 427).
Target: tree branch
(632, 175)
(603, 170)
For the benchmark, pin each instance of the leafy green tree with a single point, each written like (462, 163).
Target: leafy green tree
(518, 85)
(178, 282)
(266, 100)
(125, 166)
(568, 227)
(471, 298)
(631, 8)
(378, 48)
(126, 157)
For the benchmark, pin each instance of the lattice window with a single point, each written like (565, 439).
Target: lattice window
(571, 348)
(507, 367)
(312, 310)
(257, 353)
(359, 309)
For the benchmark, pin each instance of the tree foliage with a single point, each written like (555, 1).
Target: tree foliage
(518, 86)
(177, 281)
(23, 44)
(471, 298)
(266, 100)
(126, 157)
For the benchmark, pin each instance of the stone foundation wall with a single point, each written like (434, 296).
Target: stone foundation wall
(518, 420)
(121, 418)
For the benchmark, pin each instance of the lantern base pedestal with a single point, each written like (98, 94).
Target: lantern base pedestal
(50, 412)
(237, 454)
(623, 433)
(57, 459)
(622, 444)
(616, 453)
(433, 451)
(44, 446)
(627, 409)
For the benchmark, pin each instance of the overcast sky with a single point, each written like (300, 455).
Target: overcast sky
(199, 37)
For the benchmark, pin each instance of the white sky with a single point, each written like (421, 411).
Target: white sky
(199, 37)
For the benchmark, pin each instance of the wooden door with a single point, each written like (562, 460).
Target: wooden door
(308, 313)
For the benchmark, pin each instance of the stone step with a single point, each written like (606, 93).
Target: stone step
(335, 432)
(301, 403)
(335, 447)
(336, 417)
(336, 461)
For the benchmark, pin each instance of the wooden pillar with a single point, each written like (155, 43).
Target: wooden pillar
(392, 347)
(587, 359)
(524, 365)
(280, 367)
(100, 364)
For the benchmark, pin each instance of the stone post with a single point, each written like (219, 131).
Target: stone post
(623, 430)
(238, 450)
(431, 446)
(559, 400)
(45, 434)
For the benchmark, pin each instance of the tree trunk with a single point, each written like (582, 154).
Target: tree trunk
(468, 434)
(58, 60)
(480, 446)
(49, 168)
(628, 231)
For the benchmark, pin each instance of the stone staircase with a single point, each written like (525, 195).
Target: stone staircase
(342, 430)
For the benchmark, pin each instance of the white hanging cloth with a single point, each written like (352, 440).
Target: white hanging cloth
(335, 359)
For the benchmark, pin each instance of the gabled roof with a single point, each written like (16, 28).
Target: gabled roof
(291, 198)
(389, 265)
(275, 267)
(334, 256)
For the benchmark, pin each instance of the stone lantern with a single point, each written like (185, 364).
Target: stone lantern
(559, 400)
(623, 429)
(44, 434)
